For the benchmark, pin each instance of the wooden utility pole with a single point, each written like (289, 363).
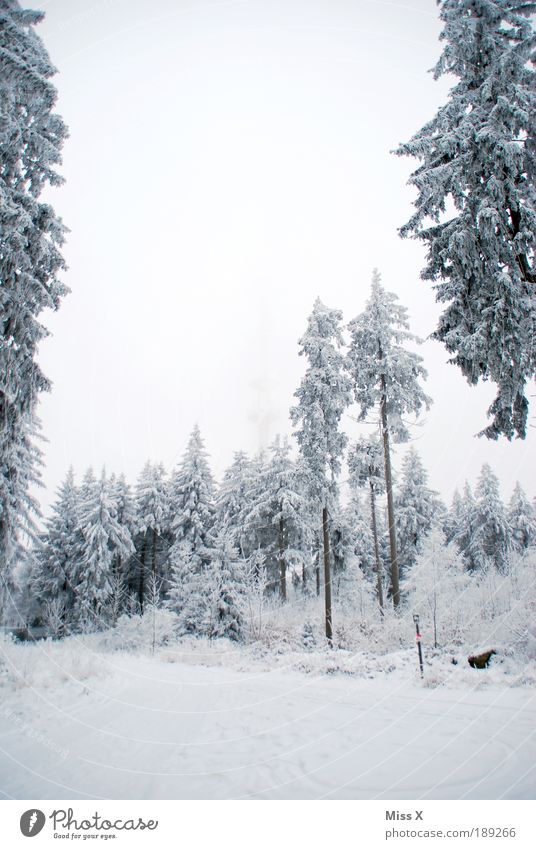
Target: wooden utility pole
(327, 576)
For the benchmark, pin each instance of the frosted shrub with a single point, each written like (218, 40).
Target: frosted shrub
(155, 628)
(48, 663)
(436, 588)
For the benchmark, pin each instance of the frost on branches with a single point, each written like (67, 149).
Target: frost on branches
(386, 377)
(323, 396)
(31, 138)
(417, 508)
(475, 208)
(192, 510)
(436, 586)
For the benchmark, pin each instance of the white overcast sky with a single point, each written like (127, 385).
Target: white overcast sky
(228, 162)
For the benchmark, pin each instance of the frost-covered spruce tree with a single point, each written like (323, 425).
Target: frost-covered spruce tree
(257, 535)
(122, 534)
(233, 500)
(88, 488)
(366, 468)
(55, 559)
(279, 503)
(104, 539)
(25, 513)
(125, 514)
(31, 235)
(417, 508)
(521, 519)
(436, 586)
(341, 542)
(192, 511)
(152, 520)
(223, 588)
(192, 497)
(385, 376)
(475, 208)
(353, 552)
(465, 537)
(491, 535)
(358, 517)
(452, 521)
(323, 396)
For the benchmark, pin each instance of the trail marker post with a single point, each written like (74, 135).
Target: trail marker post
(418, 638)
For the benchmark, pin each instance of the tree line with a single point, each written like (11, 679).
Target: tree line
(474, 212)
(203, 551)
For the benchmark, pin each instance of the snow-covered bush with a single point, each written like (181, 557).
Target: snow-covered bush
(48, 663)
(156, 628)
(437, 586)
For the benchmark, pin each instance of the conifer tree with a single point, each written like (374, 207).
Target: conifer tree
(417, 508)
(465, 537)
(478, 158)
(56, 553)
(192, 510)
(257, 535)
(359, 519)
(521, 519)
(152, 519)
(366, 467)
(491, 535)
(125, 513)
(323, 396)
(279, 503)
(30, 239)
(232, 500)
(453, 518)
(385, 376)
(192, 498)
(223, 589)
(104, 539)
(22, 514)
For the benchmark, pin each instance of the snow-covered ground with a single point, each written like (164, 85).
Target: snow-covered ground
(222, 723)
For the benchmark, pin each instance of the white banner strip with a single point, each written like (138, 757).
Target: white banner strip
(269, 825)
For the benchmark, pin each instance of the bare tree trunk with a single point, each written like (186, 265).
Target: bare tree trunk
(141, 584)
(317, 567)
(153, 559)
(282, 562)
(327, 576)
(395, 585)
(376, 546)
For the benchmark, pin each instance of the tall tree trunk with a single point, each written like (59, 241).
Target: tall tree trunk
(282, 562)
(153, 558)
(376, 546)
(317, 566)
(141, 584)
(327, 575)
(395, 585)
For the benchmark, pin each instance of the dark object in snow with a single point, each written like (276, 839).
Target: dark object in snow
(26, 633)
(480, 661)
(454, 661)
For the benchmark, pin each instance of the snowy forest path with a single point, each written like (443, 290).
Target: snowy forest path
(155, 729)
